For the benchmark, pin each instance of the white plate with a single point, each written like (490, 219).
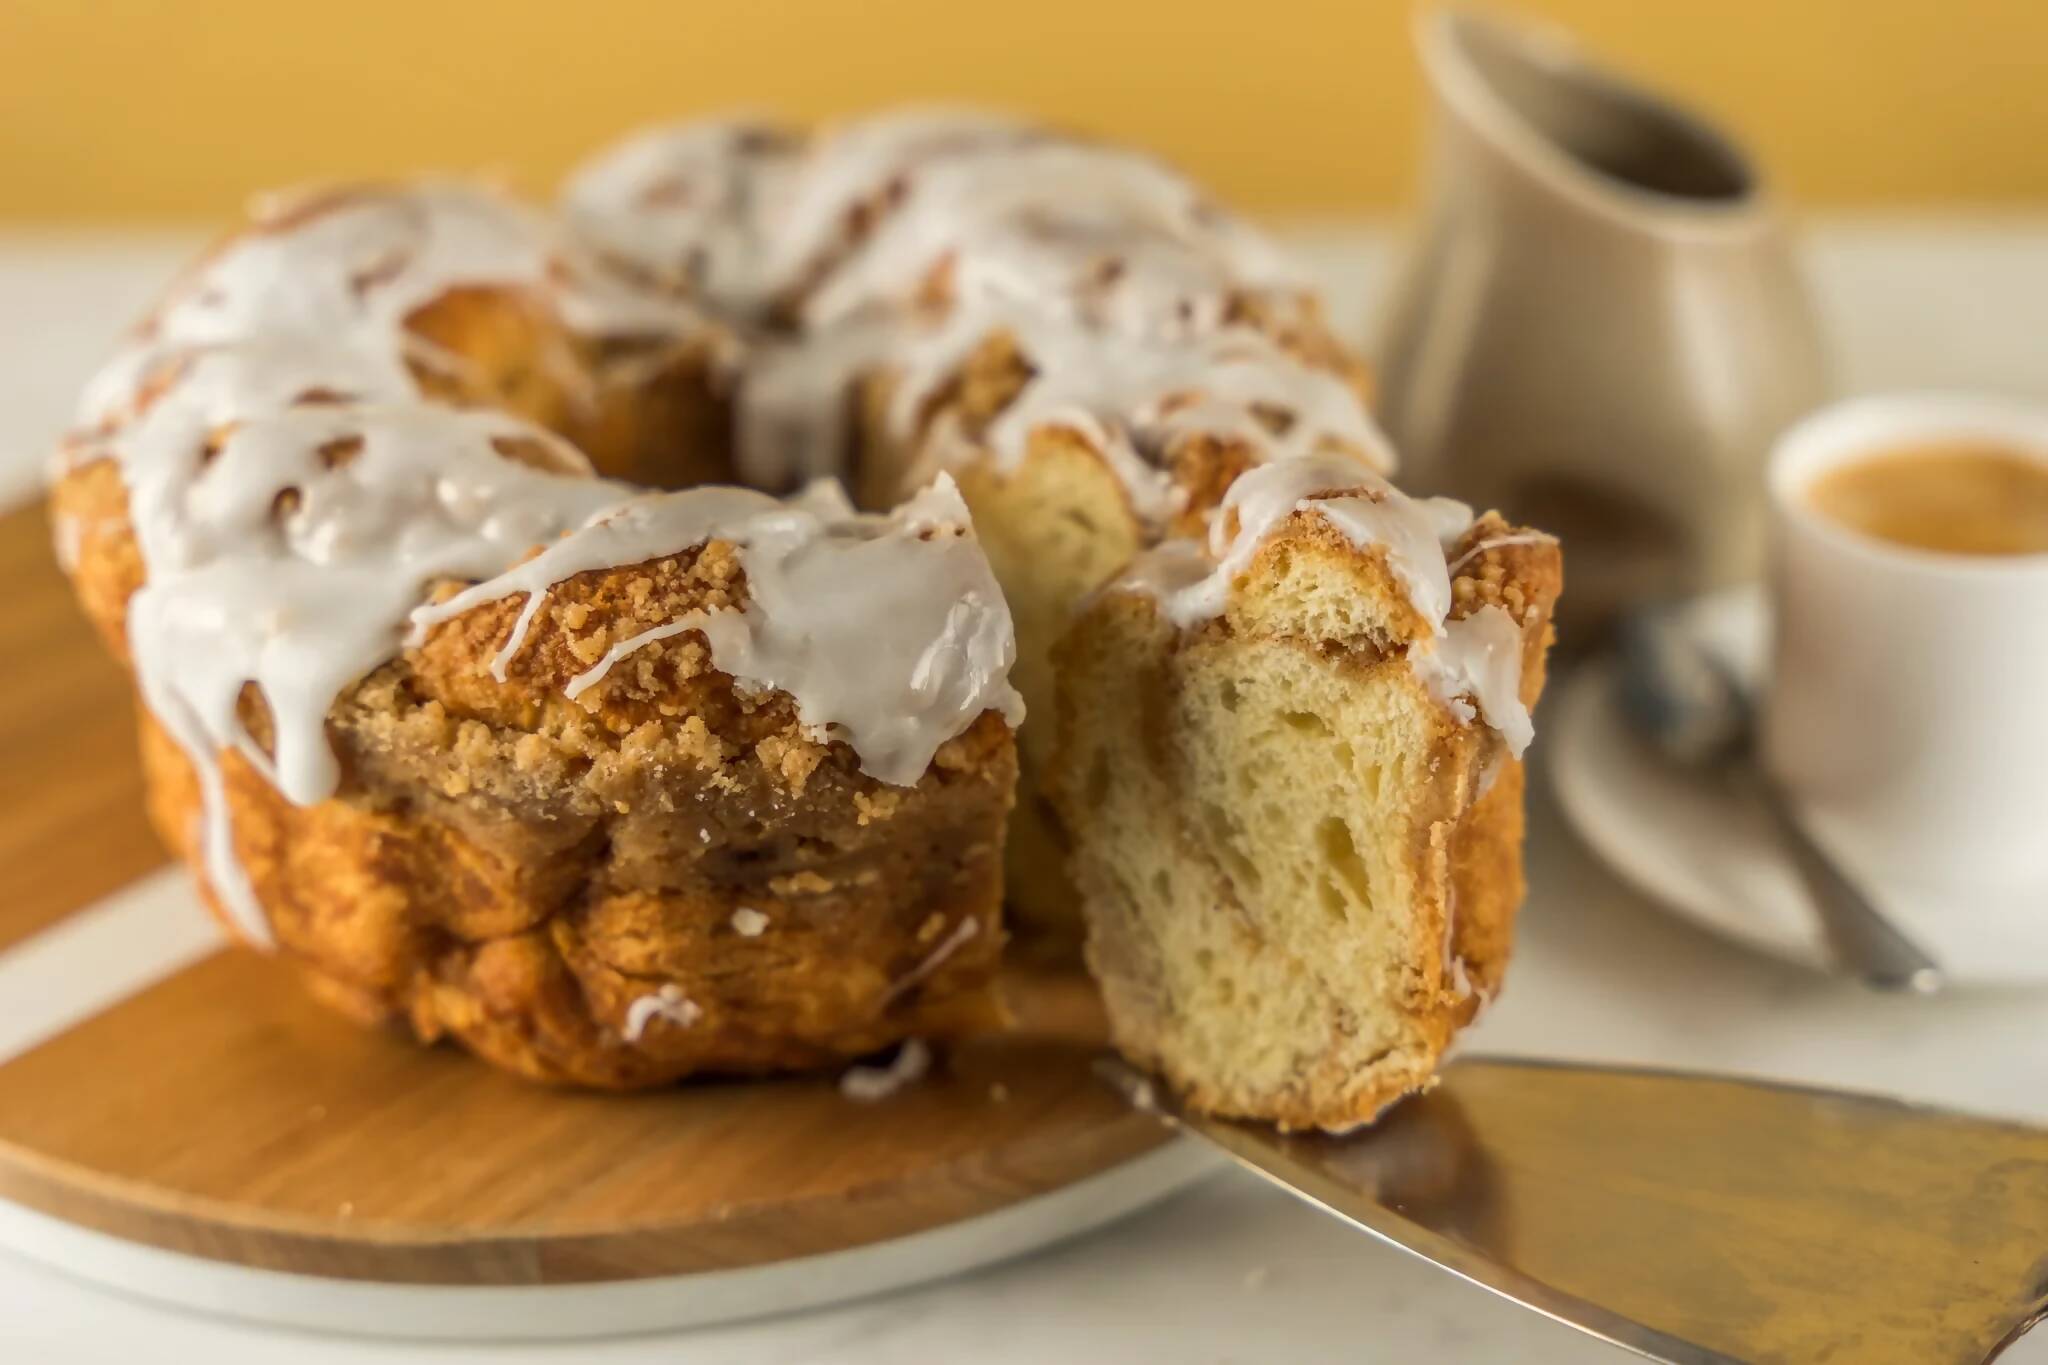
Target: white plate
(155, 926)
(573, 1311)
(1696, 846)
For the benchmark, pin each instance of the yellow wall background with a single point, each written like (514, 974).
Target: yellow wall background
(155, 109)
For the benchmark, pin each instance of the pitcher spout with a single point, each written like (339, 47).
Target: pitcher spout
(1534, 113)
(1602, 324)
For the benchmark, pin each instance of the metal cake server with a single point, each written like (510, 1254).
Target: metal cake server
(1690, 1218)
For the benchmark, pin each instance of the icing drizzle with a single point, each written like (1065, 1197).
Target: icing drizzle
(872, 1084)
(900, 244)
(887, 630)
(340, 271)
(1472, 664)
(287, 553)
(668, 1005)
(686, 207)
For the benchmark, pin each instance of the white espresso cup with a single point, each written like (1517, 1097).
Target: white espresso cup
(1907, 710)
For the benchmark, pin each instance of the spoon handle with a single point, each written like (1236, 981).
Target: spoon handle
(1861, 938)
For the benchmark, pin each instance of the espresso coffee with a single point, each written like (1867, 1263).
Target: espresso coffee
(1967, 498)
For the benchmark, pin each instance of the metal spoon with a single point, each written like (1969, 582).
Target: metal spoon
(1686, 702)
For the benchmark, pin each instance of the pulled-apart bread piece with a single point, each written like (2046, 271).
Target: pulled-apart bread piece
(670, 784)
(1289, 760)
(702, 781)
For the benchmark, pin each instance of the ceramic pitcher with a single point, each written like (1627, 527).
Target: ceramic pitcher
(1601, 326)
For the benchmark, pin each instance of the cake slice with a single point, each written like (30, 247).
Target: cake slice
(1062, 502)
(1289, 765)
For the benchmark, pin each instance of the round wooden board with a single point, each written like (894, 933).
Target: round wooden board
(219, 1113)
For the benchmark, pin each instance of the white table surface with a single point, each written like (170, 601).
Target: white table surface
(1232, 1271)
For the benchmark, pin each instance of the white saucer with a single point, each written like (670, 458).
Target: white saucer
(1695, 845)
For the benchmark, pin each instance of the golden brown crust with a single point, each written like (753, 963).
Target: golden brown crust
(562, 886)
(559, 885)
(1487, 886)
(518, 888)
(1523, 572)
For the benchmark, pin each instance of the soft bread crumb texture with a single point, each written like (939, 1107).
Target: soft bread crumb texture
(1057, 525)
(1299, 871)
(1053, 531)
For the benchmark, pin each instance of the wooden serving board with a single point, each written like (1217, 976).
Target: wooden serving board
(220, 1113)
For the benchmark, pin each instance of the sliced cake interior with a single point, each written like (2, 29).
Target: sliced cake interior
(1287, 762)
(1061, 508)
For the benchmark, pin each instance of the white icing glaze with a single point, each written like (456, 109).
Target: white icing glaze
(288, 559)
(793, 402)
(344, 271)
(1136, 403)
(859, 163)
(594, 298)
(1478, 656)
(748, 922)
(154, 407)
(1368, 509)
(689, 206)
(1479, 548)
(888, 630)
(870, 1084)
(213, 440)
(739, 212)
(668, 1004)
(1093, 232)
(962, 934)
(340, 272)
(1113, 274)
(1133, 401)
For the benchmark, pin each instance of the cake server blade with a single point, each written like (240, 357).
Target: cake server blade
(1690, 1218)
